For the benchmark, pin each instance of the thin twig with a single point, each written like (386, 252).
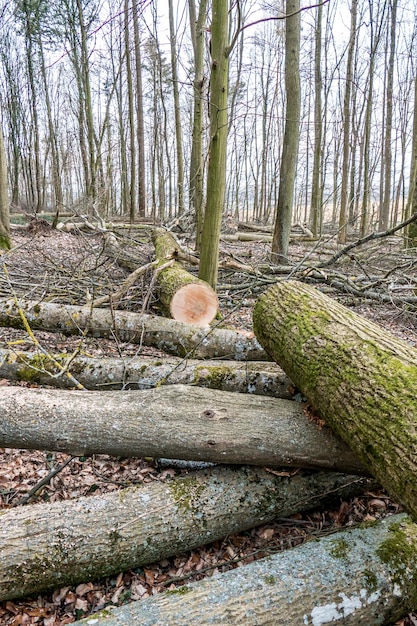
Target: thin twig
(45, 480)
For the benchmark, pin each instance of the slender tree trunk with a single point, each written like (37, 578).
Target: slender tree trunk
(30, 27)
(177, 109)
(87, 103)
(131, 116)
(411, 232)
(344, 195)
(288, 169)
(197, 161)
(140, 124)
(216, 175)
(316, 186)
(5, 243)
(384, 217)
(55, 161)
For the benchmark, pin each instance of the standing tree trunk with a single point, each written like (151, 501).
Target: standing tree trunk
(216, 175)
(177, 110)
(197, 161)
(30, 18)
(4, 199)
(131, 116)
(87, 100)
(411, 232)
(316, 184)
(140, 124)
(344, 199)
(288, 169)
(384, 216)
(375, 39)
(361, 379)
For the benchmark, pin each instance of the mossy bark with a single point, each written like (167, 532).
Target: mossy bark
(259, 378)
(5, 243)
(359, 576)
(175, 422)
(171, 336)
(171, 279)
(43, 546)
(360, 378)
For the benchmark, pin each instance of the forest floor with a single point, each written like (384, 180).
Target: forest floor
(70, 268)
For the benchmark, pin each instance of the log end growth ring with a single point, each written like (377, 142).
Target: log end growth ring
(194, 304)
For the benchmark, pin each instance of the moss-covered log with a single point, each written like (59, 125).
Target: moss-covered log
(177, 338)
(257, 377)
(360, 378)
(177, 422)
(183, 295)
(43, 546)
(359, 576)
(5, 243)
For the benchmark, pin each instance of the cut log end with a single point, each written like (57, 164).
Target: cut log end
(194, 304)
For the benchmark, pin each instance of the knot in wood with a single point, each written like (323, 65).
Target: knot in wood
(211, 414)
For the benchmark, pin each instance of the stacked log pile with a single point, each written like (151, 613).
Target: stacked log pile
(358, 378)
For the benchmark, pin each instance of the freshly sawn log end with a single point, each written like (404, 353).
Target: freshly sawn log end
(195, 303)
(187, 298)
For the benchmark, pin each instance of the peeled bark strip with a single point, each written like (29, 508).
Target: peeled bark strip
(186, 297)
(359, 576)
(43, 546)
(176, 421)
(259, 378)
(173, 337)
(360, 378)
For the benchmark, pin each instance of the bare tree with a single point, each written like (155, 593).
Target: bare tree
(316, 186)
(140, 130)
(131, 115)
(177, 110)
(199, 85)
(283, 216)
(216, 175)
(384, 215)
(344, 198)
(4, 199)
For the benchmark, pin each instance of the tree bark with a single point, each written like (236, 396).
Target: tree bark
(216, 171)
(359, 576)
(176, 421)
(288, 166)
(254, 377)
(196, 183)
(46, 546)
(186, 297)
(5, 243)
(343, 215)
(361, 379)
(173, 337)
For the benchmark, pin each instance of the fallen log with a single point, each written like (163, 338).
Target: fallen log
(186, 297)
(43, 546)
(358, 576)
(257, 377)
(360, 378)
(175, 421)
(173, 337)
